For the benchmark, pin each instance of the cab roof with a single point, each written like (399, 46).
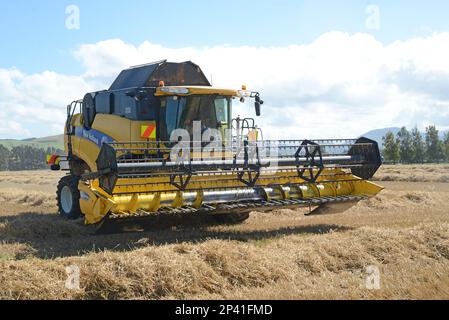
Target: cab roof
(149, 75)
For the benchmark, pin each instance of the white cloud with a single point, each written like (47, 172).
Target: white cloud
(340, 85)
(9, 126)
(33, 105)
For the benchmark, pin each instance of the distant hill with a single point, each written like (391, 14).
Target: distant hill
(378, 134)
(53, 141)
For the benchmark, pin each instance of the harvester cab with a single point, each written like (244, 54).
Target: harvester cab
(161, 144)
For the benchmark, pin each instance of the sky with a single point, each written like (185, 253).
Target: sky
(326, 69)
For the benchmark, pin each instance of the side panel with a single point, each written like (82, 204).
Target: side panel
(121, 129)
(106, 128)
(116, 127)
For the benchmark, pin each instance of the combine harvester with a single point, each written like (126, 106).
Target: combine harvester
(161, 147)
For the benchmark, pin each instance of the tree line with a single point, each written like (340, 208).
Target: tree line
(412, 147)
(24, 158)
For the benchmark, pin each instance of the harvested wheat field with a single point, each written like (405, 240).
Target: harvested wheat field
(404, 232)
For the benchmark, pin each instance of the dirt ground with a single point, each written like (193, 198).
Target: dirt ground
(403, 233)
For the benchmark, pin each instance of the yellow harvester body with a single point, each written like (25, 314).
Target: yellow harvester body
(120, 151)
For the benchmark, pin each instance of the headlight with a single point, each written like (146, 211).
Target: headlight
(175, 90)
(244, 93)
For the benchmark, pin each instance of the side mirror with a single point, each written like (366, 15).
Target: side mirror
(258, 112)
(258, 104)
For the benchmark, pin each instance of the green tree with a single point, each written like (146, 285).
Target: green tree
(4, 158)
(418, 146)
(433, 144)
(391, 148)
(27, 158)
(446, 146)
(405, 141)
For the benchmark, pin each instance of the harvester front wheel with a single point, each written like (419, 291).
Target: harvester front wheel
(68, 197)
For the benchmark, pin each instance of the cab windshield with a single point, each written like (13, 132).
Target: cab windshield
(212, 111)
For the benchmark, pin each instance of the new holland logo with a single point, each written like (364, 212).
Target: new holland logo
(148, 131)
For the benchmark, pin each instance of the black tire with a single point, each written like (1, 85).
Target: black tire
(68, 187)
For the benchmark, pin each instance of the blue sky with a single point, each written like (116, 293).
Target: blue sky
(34, 37)
(315, 60)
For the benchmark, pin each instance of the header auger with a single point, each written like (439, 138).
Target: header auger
(161, 147)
